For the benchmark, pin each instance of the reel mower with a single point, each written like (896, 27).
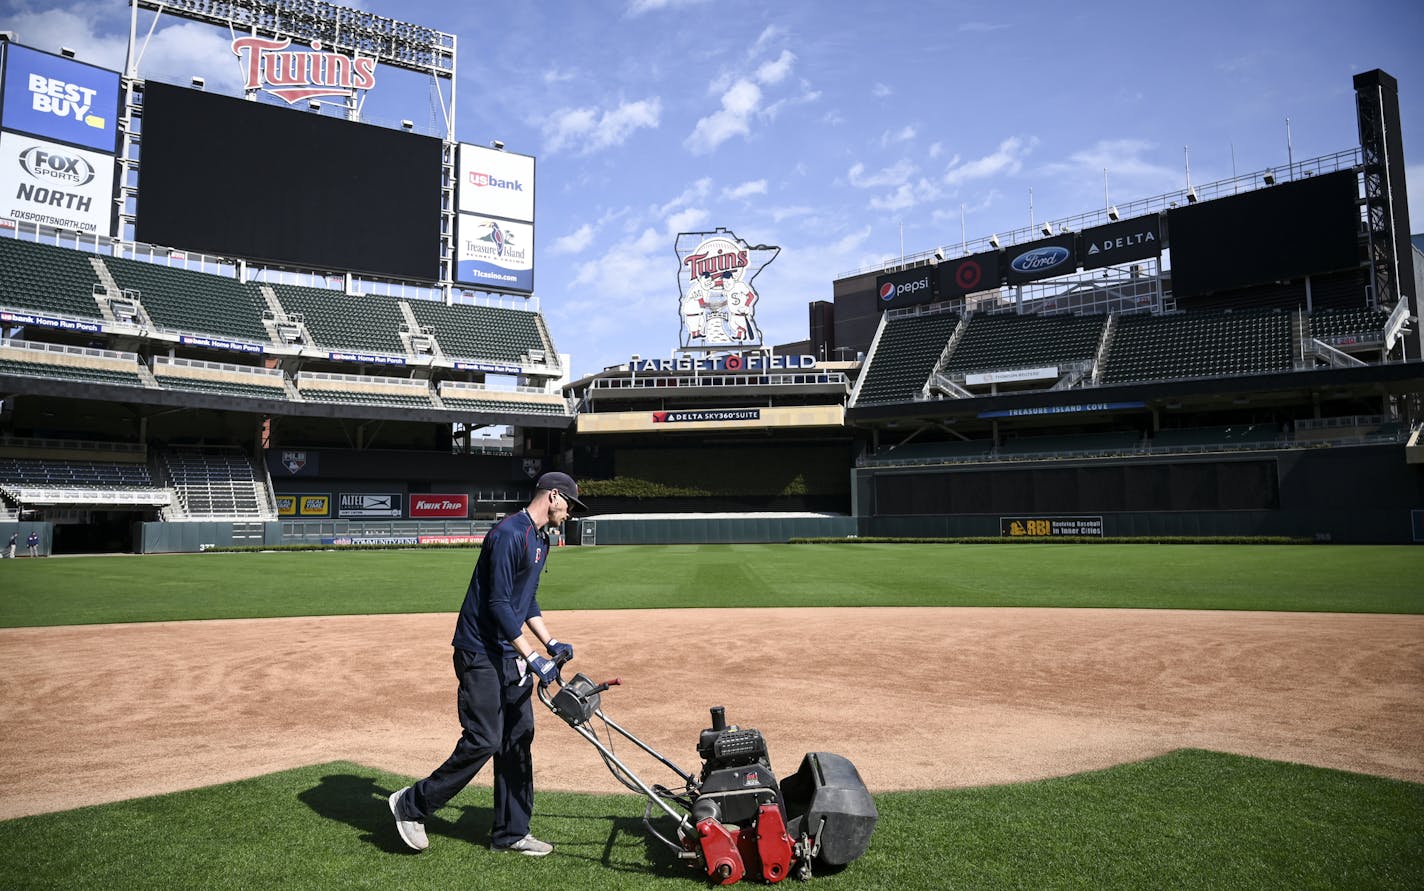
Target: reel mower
(733, 818)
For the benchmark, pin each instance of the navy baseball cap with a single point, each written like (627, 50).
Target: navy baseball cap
(564, 485)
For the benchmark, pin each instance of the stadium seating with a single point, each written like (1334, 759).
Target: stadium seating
(45, 278)
(1334, 324)
(337, 320)
(1012, 341)
(905, 352)
(78, 481)
(474, 397)
(1113, 442)
(482, 332)
(1215, 437)
(193, 302)
(933, 452)
(214, 483)
(348, 389)
(213, 377)
(30, 359)
(1198, 344)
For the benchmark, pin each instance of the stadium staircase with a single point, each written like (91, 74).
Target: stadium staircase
(215, 483)
(903, 356)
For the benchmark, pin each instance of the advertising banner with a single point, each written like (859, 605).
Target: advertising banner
(286, 505)
(50, 184)
(707, 414)
(496, 183)
(60, 99)
(494, 253)
(1135, 239)
(1044, 258)
(450, 507)
(1047, 372)
(23, 318)
(1051, 526)
(969, 275)
(314, 505)
(368, 504)
(908, 287)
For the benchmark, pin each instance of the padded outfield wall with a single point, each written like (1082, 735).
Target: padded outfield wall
(1345, 494)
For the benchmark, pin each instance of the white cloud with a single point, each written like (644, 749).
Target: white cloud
(907, 195)
(904, 134)
(980, 27)
(695, 192)
(936, 149)
(1006, 160)
(775, 72)
(556, 76)
(767, 35)
(590, 129)
(1128, 170)
(746, 189)
(575, 242)
(894, 175)
(638, 7)
(739, 103)
(686, 220)
(880, 91)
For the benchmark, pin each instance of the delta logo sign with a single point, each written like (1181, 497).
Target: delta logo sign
(292, 76)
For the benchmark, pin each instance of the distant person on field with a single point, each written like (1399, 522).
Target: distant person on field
(10, 548)
(498, 667)
(34, 542)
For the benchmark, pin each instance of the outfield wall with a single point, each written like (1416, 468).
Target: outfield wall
(709, 529)
(1347, 494)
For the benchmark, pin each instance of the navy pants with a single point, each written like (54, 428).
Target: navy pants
(497, 717)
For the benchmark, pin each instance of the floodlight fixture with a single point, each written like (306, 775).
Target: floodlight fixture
(1047, 228)
(497, 144)
(939, 254)
(408, 124)
(1269, 178)
(994, 240)
(66, 52)
(1113, 214)
(199, 81)
(1191, 196)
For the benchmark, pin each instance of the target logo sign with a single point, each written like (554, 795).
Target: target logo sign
(969, 275)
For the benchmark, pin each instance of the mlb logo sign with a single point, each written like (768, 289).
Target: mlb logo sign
(294, 461)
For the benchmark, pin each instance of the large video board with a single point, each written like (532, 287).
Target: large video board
(1282, 232)
(244, 179)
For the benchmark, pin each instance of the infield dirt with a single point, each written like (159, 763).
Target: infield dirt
(916, 698)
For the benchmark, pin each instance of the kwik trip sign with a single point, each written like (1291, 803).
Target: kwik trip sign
(272, 66)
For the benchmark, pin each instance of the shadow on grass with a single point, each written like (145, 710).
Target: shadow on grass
(362, 803)
(627, 847)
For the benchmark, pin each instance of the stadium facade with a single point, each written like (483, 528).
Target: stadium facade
(1238, 359)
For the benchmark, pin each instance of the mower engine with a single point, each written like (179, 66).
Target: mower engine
(745, 823)
(734, 818)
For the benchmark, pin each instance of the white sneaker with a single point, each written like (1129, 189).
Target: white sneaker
(529, 846)
(412, 832)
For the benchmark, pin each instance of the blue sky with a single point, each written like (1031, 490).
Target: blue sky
(842, 132)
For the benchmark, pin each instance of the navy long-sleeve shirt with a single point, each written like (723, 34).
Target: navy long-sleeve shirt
(501, 595)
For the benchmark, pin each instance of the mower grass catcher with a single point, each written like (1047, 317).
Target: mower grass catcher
(734, 818)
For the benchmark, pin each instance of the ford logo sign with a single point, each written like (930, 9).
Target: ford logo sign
(1039, 259)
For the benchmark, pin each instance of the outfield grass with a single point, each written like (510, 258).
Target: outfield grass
(1187, 820)
(1337, 578)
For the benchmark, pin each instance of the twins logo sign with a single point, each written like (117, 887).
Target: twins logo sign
(717, 302)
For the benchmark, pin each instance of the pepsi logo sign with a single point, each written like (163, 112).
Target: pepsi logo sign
(889, 291)
(1039, 259)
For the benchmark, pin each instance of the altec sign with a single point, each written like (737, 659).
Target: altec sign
(294, 75)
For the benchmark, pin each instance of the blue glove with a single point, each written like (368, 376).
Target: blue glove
(544, 669)
(556, 648)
